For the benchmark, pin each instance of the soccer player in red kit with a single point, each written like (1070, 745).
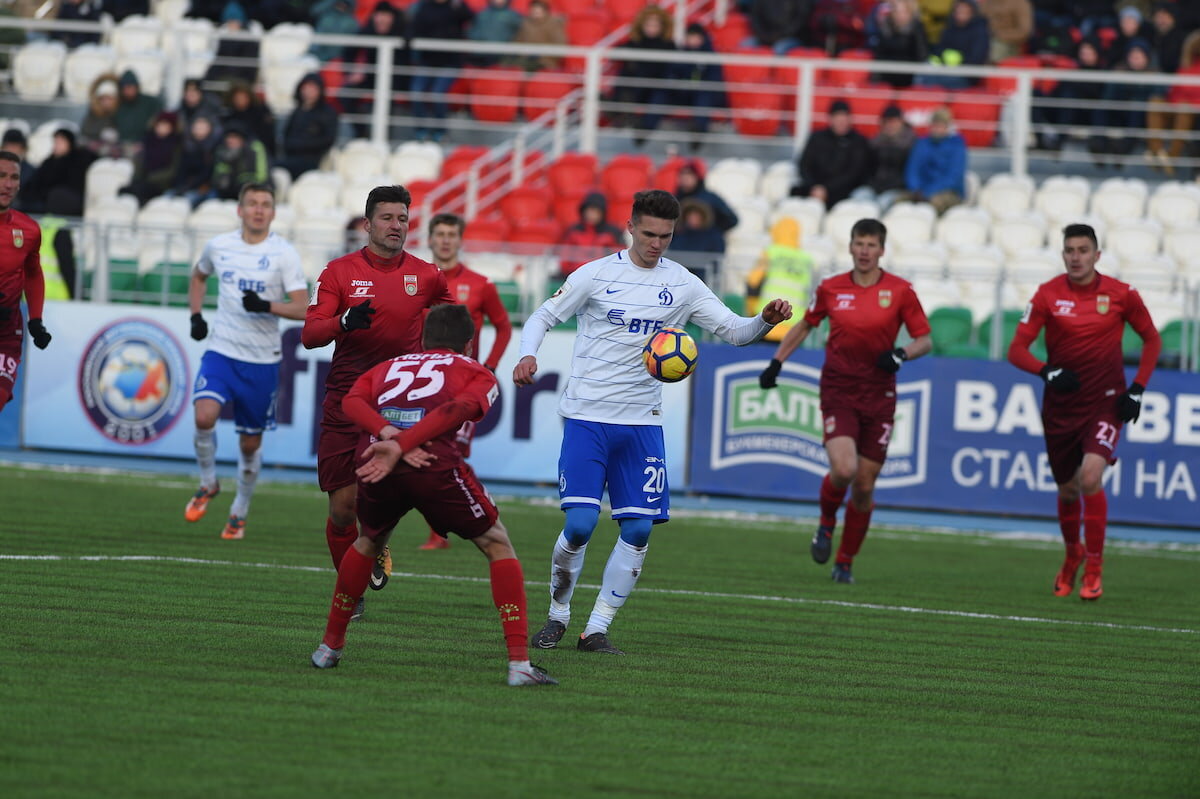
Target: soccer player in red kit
(20, 273)
(371, 302)
(1086, 400)
(411, 406)
(866, 307)
(480, 297)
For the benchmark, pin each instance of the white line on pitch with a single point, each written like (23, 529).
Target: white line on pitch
(962, 614)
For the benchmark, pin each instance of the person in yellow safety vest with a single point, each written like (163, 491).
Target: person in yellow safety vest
(784, 270)
(58, 258)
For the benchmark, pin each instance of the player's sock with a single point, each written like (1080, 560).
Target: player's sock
(353, 575)
(248, 469)
(1095, 521)
(620, 576)
(508, 592)
(830, 500)
(340, 539)
(565, 566)
(205, 442)
(1068, 521)
(854, 530)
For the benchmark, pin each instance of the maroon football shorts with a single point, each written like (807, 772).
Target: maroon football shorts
(10, 359)
(866, 418)
(1097, 433)
(451, 500)
(337, 446)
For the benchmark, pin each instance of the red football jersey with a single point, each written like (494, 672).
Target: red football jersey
(427, 394)
(20, 267)
(863, 322)
(479, 295)
(399, 289)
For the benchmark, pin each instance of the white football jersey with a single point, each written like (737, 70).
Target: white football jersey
(272, 269)
(619, 305)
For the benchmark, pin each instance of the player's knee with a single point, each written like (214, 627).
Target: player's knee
(1091, 483)
(636, 532)
(842, 473)
(495, 544)
(579, 524)
(250, 445)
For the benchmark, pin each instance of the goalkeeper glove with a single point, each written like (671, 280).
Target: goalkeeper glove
(1129, 404)
(254, 303)
(1064, 381)
(41, 337)
(767, 378)
(890, 361)
(358, 317)
(199, 327)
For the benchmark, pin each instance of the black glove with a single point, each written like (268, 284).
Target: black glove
(1129, 404)
(890, 361)
(358, 317)
(254, 303)
(41, 338)
(1064, 381)
(767, 378)
(199, 327)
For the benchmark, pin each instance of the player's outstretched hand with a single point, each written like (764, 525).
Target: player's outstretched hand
(419, 458)
(767, 378)
(890, 361)
(1064, 381)
(524, 371)
(41, 337)
(1129, 404)
(254, 303)
(358, 317)
(5, 311)
(382, 457)
(199, 327)
(776, 311)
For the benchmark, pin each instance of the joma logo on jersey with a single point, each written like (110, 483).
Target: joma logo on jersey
(1064, 307)
(362, 291)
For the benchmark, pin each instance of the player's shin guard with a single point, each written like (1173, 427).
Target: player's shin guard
(1068, 520)
(353, 575)
(854, 530)
(565, 566)
(620, 576)
(205, 442)
(339, 539)
(248, 469)
(830, 500)
(1095, 522)
(508, 592)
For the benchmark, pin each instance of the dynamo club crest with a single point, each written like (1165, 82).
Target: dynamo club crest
(133, 381)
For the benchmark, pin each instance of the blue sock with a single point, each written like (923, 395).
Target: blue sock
(636, 532)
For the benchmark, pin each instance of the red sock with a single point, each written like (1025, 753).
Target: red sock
(508, 592)
(353, 575)
(340, 539)
(854, 530)
(1068, 521)
(1095, 520)
(831, 500)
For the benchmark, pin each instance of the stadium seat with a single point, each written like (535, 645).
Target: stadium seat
(1151, 272)
(136, 34)
(105, 177)
(964, 227)
(1117, 199)
(1033, 267)
(666, 176)
(415, 160)
(1062, 199)
(37, 70)
(729, 36)
(1009, 318)
(494, 93)
(286, 41)
(587, 27)
(976, 116)
(280, 79)
(756, 113)
(572, 171)
(841, 217)
(626, 171)
(359, 157)
(808, 211)
(734, 178)
(1134, 239)
(747, 77)
(752, 215)
(777, 180)
(319, 240)
(950, 327)
(857, 69)
(910, 223)
(623, 11)
(83, 65)
(486, 230)
(535, 231)
(281, 179)
(351, 198)
(150, 66)
(525, 204)
(1183, 245)
(925, 259)
(460, 160)
(1014, 233)
(566, 206)
(1002, 84)
(919, 104)
(1175, 204)
(541, 92)
(977, 263)
(315, 193)
(1006, 195)
(169, 12)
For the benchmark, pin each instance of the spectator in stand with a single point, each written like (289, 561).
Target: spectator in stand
(1130, 25)
(689, 185)
(592, 236)
(236, 59)
(243, 107)
(14, 142)
(135, 111)
(899, 36)
(239, 160)
(59, 184)
(437, 70)
(310, 131)
(335, 18)
(781, 25)
(704, 82)
(385, 20)
(1075, 103)
(541, 27)
(1123, 110)
(1167, 37)
(937, 166)
(644, 83)
(1011, 25)
(124, 8)
(836, 160)
(1092, 15)
(696, 231)
(934, 14)
(157, 163)
(193, 178)
(78, 11)
(837, 25)
(1177, 114)
(965, 41)
(195, 103)
(891, 147)
(98, 131)
(495, 22)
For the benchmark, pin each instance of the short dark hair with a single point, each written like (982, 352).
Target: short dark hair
(656, 203)
(448, 219)
(387, 194)
(870, 227)
(1078, 229)
(448, 326)
(249, 187)
(6, 155)
(15, 136)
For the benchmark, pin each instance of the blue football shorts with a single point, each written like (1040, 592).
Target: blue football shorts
(630, 459)
(251, 387)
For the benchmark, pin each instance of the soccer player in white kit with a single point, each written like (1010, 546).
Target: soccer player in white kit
(612, 407)
(261, 280)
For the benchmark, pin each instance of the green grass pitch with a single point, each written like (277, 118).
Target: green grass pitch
(149, 658)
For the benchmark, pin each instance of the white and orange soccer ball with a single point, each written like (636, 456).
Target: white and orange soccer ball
(670, 355)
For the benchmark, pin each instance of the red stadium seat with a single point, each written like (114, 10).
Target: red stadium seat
(570, 8)
(525, 203)
(536, 231)
(571, 171)
(666, 176)
(460, 160)
(730, 36)
(751, 75)
(566, 206)
(542, 91)
(588, 27)
(999, 84)
(857, 71)
(494, 93)
(866, 106)
(756, 113)
(919, 104)
(626, 170)
(486, 229)
(623, 11)
(977, 116)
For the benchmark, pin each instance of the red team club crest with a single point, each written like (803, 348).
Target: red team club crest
(18, 238)
(885, 298)
(410, 285)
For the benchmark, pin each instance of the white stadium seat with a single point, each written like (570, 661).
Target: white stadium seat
(170, 11)
(1183, 245)
(84, 64)
(909, 224)
(1034, 266)
(807, 211)
(926, 260)
(964, 227)
(358, 158)
(136, 34)
(415, 160)
(150, 66)
(1175, 204)
(1132, 239)
(287, 41)
(105, 177)
(734, 178)
(977, 263)
(1150, 272)
(1062, 199)
(1117, 199)
(1005, 194)
(841, 217)
(752, 215)
(315, 193)
(37, 70)
(281, 78)
(777, 180)
(1025, 231)
(353, 194)
(41, 139)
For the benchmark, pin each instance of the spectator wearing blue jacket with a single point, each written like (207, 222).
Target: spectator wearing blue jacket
(937, 167)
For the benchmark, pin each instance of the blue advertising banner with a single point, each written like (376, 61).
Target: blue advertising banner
(967, 437)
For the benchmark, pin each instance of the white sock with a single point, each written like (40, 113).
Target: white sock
(620, 576)
(205, 442)
(248, 469)
(565, 567)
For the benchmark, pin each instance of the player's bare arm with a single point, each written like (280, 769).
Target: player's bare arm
(524, 371)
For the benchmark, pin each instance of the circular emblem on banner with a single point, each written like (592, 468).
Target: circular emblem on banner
(133, 381)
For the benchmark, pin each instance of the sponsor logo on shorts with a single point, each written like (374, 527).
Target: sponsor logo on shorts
(133, 381)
